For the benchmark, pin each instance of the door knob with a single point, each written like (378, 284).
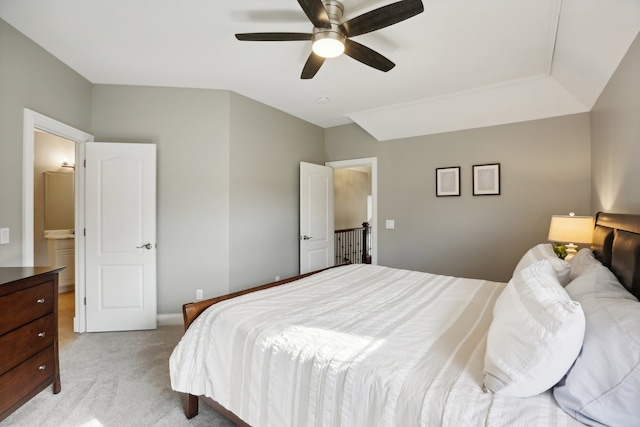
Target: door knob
(146, 246)
(306, 237)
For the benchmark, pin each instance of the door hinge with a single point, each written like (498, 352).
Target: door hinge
(84, 163)
(84, 232)
(85, 300)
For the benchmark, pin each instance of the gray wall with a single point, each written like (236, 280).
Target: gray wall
(191, 130)
(545, 170)
(615, 139)
(266, 149)
(227, 192)
(30, 78)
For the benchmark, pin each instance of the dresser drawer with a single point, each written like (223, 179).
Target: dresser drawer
(26, 305)
(26, 341)
(31, 375)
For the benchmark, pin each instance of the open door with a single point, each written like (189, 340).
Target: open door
(120, 237)
(316, 217)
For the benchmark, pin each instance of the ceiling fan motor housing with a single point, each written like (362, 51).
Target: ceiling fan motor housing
(334, 10)
(329, 42)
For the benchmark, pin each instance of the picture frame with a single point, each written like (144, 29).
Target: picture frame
(486, 179)
(448, 181)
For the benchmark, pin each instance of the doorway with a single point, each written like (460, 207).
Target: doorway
(54, 219)
(33, 122)
(352, 214)
(54, 197)
(370, 166)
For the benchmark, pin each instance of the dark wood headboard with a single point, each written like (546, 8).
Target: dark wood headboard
(616, 243)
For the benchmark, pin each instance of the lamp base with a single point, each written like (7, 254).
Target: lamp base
(571, 251)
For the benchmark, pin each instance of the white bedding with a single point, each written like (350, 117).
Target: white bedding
(359, 345)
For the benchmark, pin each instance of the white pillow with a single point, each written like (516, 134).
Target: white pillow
(582, 262)
(535, 336)
(545, 251)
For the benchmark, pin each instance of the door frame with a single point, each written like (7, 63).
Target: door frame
(35, 121)
(373, 163)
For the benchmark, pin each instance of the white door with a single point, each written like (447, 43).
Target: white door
(120, 237)
(316, 217)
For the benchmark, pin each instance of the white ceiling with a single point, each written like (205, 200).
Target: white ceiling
(460, 64)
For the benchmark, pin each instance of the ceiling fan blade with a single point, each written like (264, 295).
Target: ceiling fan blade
(273, 37)
(367, 56)
(315, 11)
(382, 17)
(311, 67)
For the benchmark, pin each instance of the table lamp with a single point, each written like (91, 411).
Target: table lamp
(569, 230)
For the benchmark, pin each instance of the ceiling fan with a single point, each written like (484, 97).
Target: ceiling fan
(331, 37)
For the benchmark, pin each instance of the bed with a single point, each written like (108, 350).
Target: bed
(363, 345)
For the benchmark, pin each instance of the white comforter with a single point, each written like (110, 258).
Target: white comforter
(358, 345)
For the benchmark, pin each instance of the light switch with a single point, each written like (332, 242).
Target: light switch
(4, 236)
(391, 224)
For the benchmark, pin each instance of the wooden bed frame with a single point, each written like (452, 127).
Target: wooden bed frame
(616, 243)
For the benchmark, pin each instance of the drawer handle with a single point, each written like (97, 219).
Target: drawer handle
(41, 334)
(40, 301)
(42, 367)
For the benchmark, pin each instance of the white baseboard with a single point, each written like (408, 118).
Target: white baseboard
(170, 319)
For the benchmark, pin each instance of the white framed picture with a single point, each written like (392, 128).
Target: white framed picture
(448, 181)
(486, 179)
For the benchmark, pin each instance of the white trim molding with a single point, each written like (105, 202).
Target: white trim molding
(35, 121)
(171, 319)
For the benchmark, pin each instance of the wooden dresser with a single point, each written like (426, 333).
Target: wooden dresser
(28, 334)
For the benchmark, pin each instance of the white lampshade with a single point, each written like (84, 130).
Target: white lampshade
(571, 229)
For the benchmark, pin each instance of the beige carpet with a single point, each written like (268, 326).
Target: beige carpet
(114, 379)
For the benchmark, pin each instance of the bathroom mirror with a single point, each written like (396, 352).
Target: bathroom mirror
(59, 206)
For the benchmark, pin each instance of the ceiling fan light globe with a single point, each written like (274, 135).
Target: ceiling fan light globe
(328, 48)
(328, 43)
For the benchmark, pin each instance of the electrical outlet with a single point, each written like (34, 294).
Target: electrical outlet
(4, 236)
(199, 294)
(277, 278)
